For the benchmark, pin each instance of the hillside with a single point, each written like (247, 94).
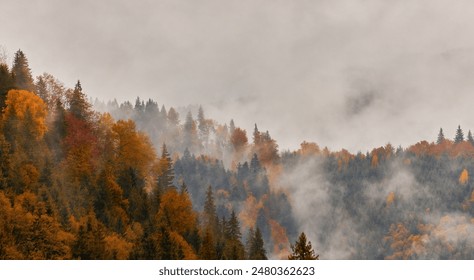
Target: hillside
(142, 181)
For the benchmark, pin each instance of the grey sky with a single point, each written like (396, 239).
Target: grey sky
(345, 74)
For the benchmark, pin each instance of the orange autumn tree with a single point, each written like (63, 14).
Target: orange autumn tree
(464, 177)
(23, 124)
(25, 113)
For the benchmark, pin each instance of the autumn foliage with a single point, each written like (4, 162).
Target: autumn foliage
(76, 183)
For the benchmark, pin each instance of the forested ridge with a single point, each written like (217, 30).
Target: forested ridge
(82, 179)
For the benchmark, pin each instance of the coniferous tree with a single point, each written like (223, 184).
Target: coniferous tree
(207, 250)
(231, 127)
(256, 136)
(22, 73)
(165, 179)
(203, 126)
(470, 139)
(79, 107)
(459, 135)
(233, 249)
(190, 139)
(210, 212)
(440, 137)
(257, 247)
(255, 164)
(302, 250)
(6, 83)
(90, 243)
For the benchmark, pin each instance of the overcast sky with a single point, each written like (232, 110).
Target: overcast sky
(345, 74)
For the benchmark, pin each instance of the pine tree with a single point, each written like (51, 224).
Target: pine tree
(166, 177)
(231, 127)
(470, 139)
(202, 126)
(441, 138)
(257, 247)
(255, 164)
(459, 135)
(6, 83)
(210, 212)
(233, 249)
(302, 250)
(90, 243)
(232, 230)
(22, 73)
(207, 250)
(190, 140)
(79, 107)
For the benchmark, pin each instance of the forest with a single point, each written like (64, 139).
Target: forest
(92, 179)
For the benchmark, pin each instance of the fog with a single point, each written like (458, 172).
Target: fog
(345, 220)
(345, 74)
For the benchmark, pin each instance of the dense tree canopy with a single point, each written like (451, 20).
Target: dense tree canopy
(134, 181)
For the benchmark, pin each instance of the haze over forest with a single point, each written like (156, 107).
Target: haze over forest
(362, 73)
(224, 130)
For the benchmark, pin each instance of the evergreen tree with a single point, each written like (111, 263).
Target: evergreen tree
(90, 243)
(190, 140)
(248, 242)
(169, 249)
(256, 136)
(470, 139)
(166, 177)
(6, 83)
(441, 138)
(459, 135)
(139, 106)
(202, 126)
(257, 247)
(255, 164)
(232, 229)
(302, 250)
(231, 127)
(79, 107)
(210, 212)
(207, 250)
(42, 89)
(233, 249)
(22, 73)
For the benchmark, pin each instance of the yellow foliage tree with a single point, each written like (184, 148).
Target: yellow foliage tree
(134, 149)
(390, 199)
(117, 248)
(375, 161)
(464, 177)
(176, 212)
(25, 110)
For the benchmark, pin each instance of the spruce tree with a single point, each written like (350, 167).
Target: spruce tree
(459, 135)
(207, 250)
(165, 179)
(256, 135)
(441, 138)
(257, 247)
(190, 140)
(210, 212)
(233, 249)
(22, 72)
(255, 164)
(79, 107)
(202, 126)
(469, 138)
(302, 250)
(6, 83)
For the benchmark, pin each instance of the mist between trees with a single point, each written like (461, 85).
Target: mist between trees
(86, 179)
